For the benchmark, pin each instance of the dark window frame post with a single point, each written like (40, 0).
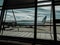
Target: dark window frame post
(2, 16)
(35, 23)
(54, 21)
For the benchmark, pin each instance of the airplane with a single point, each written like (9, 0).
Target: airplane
(30, 22)
(27, 22)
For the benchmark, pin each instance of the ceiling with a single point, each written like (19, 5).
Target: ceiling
(16, 4)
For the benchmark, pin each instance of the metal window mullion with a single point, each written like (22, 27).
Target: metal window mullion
(2, 14)
(54, 22)
(35, 24)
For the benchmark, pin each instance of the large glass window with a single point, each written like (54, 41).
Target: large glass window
(19, 23)
(57, 10)
(45, 23)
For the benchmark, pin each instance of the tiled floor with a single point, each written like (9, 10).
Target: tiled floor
(28, 34)
(43, 32)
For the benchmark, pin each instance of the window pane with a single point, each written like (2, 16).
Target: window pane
(45, 3)
(45, 23)
(58, 32)
(57, 10)
(1, 2)
(21, 25)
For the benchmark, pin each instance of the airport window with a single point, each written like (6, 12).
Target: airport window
(45, 23)
(57, 10)
(20, 22)
(22, 15)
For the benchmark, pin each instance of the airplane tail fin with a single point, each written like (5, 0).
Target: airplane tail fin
(44, 20)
